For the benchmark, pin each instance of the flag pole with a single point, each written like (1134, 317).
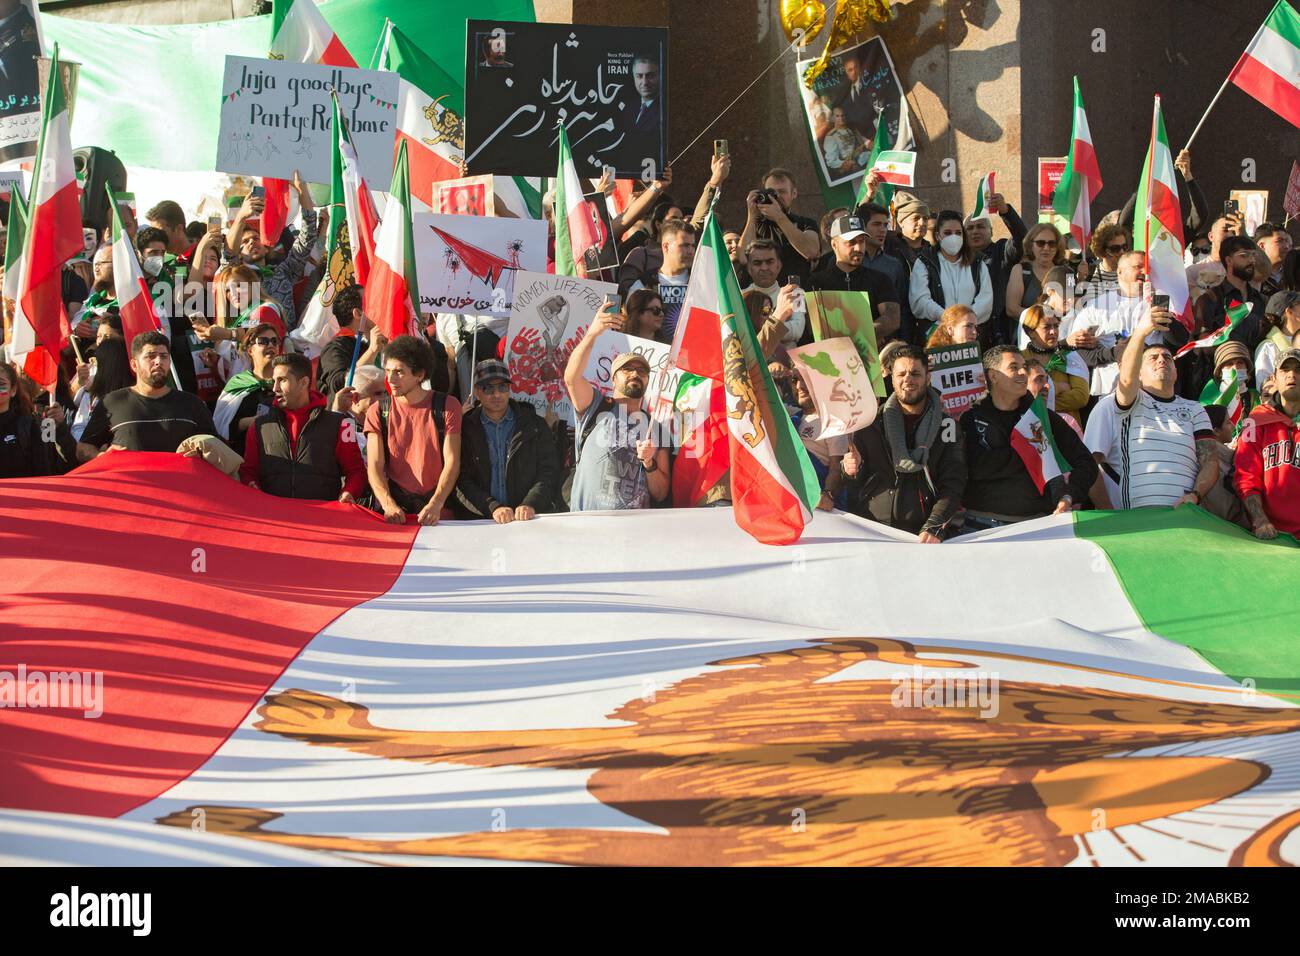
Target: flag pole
(1206, 114)
(356, 353)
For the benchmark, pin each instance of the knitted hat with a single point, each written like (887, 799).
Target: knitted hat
(905, 204)
(1229, 352)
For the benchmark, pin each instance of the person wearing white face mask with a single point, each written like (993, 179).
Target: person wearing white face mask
(950, 275)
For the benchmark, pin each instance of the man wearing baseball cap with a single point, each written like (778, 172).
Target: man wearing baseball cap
(619, 465)
(1267, 468)
(507, 470)
(848, 274)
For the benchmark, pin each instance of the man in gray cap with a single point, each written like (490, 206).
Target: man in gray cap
(508, 467)
(619, 465)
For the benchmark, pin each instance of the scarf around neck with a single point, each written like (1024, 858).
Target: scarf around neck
(911, 460)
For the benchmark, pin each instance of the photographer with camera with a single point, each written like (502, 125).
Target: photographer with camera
(769, 217)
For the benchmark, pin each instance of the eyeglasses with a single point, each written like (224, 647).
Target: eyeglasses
(1044, 243)
(1117, 247)
(654, 310)
(495, 389)
(266, 343)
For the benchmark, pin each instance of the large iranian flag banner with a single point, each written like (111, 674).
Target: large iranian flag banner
(367, 694)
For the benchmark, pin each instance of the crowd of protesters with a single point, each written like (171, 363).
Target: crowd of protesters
(412, 428)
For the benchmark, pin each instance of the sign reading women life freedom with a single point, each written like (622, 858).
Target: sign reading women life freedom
(276, 116)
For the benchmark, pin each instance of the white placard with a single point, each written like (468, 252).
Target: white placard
(469, 265)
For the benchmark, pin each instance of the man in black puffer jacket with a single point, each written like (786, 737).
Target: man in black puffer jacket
(508, 469)
(907, 469)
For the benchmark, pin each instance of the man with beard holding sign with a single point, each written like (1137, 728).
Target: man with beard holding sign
(619, 466)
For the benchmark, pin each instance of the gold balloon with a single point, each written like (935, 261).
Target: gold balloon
(802, 19)
(851, 19)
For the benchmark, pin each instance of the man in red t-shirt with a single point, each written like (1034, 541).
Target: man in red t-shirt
(299, 449)
(412, 469)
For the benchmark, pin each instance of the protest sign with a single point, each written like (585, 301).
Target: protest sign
(20, 91)
(467, 264)
(548, 318)
(842, 106)
(605, 84)
(840, 386)
(468, 196)
(599, 260)
(1291, 201)
(833, 314)
(958, 374)
(276, 116)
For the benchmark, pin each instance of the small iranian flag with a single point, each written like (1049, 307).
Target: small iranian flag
(1269, 70)
(896, 166)
(133, 298)
(883, 143)
(983, 197)
(1226, 394)
(1081, 180)
(1034, 443)
(391, 296)
(350, 206)
(1158, 222)
(300, 34)
(575, 226)
(773, 485)
(54, 223)
(1231, 319)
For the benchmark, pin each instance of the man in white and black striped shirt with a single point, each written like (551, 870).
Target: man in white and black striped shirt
(1154, 447)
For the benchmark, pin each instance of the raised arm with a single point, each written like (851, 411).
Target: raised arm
(582, 392)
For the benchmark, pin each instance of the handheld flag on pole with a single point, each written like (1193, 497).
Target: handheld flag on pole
(1081, 181)
(391, 296)
(54, 221)
(575, 226)
(884, 194)
(1158, 222)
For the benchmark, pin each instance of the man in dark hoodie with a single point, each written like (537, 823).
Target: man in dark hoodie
(299, 449)
(508, 468)
(907, 468)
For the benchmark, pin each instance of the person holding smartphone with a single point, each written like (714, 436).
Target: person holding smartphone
(619, 464)
(1154, 446)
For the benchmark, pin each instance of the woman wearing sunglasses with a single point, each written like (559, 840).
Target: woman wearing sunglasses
(1042, 250)
(248, 394)
(645, 315)
(1108, 244)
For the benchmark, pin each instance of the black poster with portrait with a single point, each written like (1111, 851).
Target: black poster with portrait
(600, 261)
(605, 84)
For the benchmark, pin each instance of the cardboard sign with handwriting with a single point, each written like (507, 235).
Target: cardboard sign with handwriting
(468, 265)
(277, 116)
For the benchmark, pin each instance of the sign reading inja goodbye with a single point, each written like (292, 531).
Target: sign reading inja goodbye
(276, 116)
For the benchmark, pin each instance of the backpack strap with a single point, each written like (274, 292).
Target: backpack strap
(604, 404)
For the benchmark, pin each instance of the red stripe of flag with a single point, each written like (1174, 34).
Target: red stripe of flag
(1267, 87)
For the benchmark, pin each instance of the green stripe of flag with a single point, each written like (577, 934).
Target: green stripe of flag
(1285, 22)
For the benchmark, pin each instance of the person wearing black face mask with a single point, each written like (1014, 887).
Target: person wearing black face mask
(1237, 254)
